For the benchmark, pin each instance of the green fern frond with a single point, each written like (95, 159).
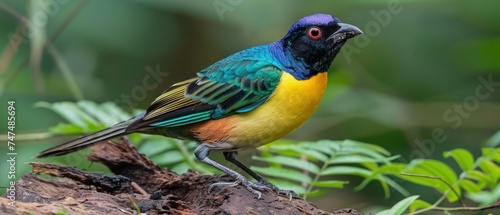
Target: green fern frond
(313, 165)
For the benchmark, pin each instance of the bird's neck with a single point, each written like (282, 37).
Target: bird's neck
(299, 69)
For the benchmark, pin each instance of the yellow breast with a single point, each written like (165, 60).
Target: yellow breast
(292, 103)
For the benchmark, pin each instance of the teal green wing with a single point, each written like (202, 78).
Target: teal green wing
(225, 88)
(234, 88)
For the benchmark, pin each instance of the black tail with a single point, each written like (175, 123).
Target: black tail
(86, 141)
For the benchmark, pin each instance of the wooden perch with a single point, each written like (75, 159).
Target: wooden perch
(140, 182)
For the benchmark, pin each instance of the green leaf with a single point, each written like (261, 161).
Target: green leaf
(346, 170)
(493, 153)
(390, 169)
(419, 204)
(394, 185)
(384, 182)
(289, 161)
(463, 158)
(332, 183)
(370, 166)
(181, 168)
(155, 145)
(352, 158)
(81, 116)
(480, 177)
(283, 173)
(62, 212)
(167, 158)
(370, 147)
(469, 186)
(73, 114)
(490, 169)
(317, 192)
(486, 197)
(312, 154)
(327, 148)
(98, 113)
(62, 128)
(295, 150)
(434, 168)
(400, 207)
(117, 112)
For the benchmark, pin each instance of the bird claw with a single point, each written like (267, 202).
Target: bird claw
(289, 193)
(222, 184)
(255, 188)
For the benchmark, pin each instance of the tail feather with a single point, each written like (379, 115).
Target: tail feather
(87, 140)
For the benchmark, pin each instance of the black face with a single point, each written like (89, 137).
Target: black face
(312, 46)
(315, 45)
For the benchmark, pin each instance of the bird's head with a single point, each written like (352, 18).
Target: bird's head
(311, 44)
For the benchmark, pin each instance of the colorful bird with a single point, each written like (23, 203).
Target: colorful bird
(244, 101)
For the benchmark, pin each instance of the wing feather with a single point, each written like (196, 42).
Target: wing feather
(234, 85)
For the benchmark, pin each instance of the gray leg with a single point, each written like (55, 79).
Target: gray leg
(202, 151)
(231, 157)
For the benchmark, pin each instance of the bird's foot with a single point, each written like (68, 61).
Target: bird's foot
(289, 193)
(254, 188)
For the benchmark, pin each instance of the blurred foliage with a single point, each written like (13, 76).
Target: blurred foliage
(414, 71)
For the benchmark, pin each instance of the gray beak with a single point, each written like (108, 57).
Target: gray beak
(345, 32)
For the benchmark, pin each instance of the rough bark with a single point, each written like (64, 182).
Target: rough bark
(139, 184)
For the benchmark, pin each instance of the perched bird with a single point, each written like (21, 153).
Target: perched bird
(246, 100)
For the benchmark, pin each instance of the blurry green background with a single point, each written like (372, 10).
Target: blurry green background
(408, 75)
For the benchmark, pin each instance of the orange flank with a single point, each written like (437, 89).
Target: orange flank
(292, 103)
(214, 131)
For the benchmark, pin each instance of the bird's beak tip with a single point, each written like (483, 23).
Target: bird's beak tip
(345, 32)
(350, 29)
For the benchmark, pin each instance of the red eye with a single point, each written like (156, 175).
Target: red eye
(314, 33)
